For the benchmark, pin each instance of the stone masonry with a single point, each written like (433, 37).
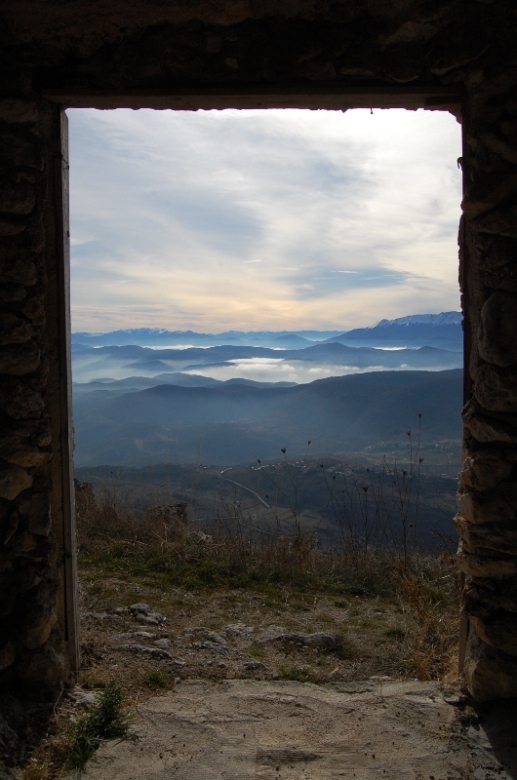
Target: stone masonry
(29, 573)
(487, 521)
(103, 53)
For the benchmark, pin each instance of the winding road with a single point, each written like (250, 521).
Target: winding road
(249, 490)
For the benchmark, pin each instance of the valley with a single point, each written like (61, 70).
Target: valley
(324, 497)
(235, 423)
(154, 424)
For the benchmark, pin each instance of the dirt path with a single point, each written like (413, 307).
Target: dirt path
(243, 487)
(284, 730)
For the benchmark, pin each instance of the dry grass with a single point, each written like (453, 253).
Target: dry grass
(396, 610)
(162, 550)
(161, 525)
(393, 622)
(431, 594)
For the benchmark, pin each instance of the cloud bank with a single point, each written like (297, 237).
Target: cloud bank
(278, 219)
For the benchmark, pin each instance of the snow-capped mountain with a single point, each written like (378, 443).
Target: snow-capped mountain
(444, 318)
(442, 330)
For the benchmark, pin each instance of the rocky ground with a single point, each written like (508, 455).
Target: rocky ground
(267, 683)
(287, 730)
(218, 634)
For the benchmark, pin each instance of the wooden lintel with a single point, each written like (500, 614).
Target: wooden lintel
(332, 96)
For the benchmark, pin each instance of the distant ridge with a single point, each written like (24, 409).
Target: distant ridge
(444, 318)
(415, 330)
(161, 337)
(442, 331)
(231, 423)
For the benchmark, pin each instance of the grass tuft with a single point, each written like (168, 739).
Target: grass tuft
(296, 673)
(395, 633)
(257, 651)
(107, 720)
(155, 678)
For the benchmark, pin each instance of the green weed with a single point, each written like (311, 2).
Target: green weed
(107, 720)
(297, 673)
(366, 623)
(257, 652)
(395, 633)
(299, 606)
(324, 618)
(155, 678)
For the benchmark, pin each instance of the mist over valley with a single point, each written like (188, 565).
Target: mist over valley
(234, 422)
(226, 404)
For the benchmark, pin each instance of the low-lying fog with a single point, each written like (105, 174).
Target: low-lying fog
(434, 347)
(90, 368)
(271, 370)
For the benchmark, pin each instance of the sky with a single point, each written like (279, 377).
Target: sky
(262, 220)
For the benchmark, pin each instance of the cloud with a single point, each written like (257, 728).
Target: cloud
(261, 219)
(319, 284)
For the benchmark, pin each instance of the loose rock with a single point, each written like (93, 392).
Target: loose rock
(153, 652)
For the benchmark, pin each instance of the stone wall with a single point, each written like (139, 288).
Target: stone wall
(487, 520)
(147, 46)
(30, 644)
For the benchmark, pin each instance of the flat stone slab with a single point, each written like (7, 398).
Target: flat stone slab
(240, 729)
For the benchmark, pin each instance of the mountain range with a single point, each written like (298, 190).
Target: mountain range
(152, 394)
(439, 330)
(160, 337)
(232, 423)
